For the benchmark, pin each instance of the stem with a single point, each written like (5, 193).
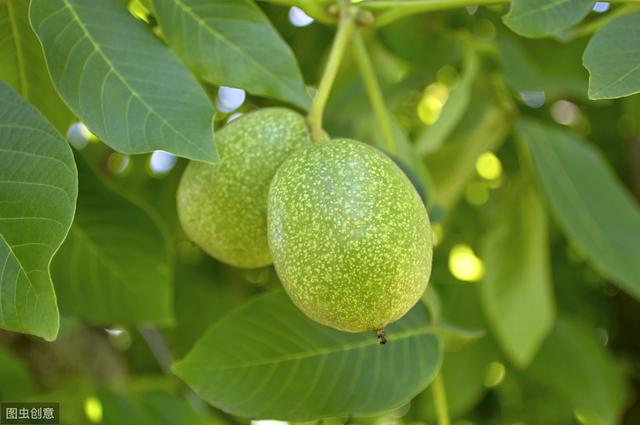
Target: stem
(440, 400)
(375, 93)
(392, 10)
(340, 42)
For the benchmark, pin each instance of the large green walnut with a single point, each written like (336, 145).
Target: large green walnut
(349, 235)
(223, 207)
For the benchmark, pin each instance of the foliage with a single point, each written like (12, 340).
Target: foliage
(518, 122)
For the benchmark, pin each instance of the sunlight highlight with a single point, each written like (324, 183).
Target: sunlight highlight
(299, 18)
(432, 102)
(268, 422)
(477, 194)
(489, 166)
(229, 99)
(162, 162)
(464, 264)
(93, 409)
(495, 374)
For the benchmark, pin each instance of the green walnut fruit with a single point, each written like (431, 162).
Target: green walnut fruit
(223, 206)
(349, 235)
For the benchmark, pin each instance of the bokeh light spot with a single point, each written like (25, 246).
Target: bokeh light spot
(118, 163)
(477, 194)
(495, 374)
(234, 116)
(565, 112)
(299, 18)
(79, 135)
(432, 101)
(533, 99)
(464, 264)
(161, 162)
(268, 422)
(93, 409)
(229, 99)
(488, 166)
(601, 6)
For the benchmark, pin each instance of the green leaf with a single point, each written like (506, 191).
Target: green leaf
(39, 189)
(432, 137)
(204, 293)
(544, 65)
(23, 66)
(613, 59)
(516, 290)
(232, 43)
(590, 204)
(573, 364)
(540, 18)
(114, 266)
(268, 360)
(128, 88)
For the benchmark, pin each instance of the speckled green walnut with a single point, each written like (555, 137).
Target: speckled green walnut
(223, 207)
(349, 235)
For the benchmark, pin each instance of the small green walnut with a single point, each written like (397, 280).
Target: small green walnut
(349, 235)
(223, 206)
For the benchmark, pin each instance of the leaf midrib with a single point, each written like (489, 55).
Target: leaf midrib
(394, 337)
(113, 69)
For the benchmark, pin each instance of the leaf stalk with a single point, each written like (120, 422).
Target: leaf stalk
(374, 92)
(346, 25)
(440, 400)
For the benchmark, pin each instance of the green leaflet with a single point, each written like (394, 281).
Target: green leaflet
(114, 267)
(39, 185)
(516, 290)
(268, 360)
(613, 59)
(23, 66)
(232, 43)
(128, 88)
(590, 204)
(540, 18)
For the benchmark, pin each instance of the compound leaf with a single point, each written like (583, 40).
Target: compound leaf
(128, 88)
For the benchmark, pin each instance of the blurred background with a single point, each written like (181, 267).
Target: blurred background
(455, 83)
